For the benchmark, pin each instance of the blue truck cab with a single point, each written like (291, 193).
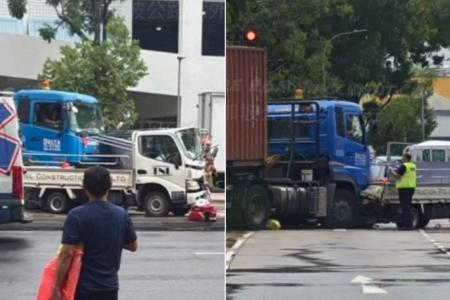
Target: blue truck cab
(56, 126)
(331, 130)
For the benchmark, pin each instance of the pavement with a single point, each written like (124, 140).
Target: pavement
(46, 221)
(167, 265)
(380, 263)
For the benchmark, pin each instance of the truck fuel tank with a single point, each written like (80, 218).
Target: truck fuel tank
(287, 199)
(304, 201)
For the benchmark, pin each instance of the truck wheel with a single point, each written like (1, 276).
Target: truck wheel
(58, 203)
(179, 211)
(343, 211)
(416, 215)
(156, 204)
(256, 208)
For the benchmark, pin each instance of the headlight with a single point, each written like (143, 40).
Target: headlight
(192, 185)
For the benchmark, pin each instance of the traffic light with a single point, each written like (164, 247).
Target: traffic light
(247, 37)
(251, 36)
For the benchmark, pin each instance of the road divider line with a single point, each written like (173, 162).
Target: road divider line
(234, 250)
(434, 242)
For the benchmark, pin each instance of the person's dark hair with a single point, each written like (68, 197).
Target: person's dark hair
(407, 156)
(97, 181)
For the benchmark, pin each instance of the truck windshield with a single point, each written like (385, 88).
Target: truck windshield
(191, 142)
(86, 117)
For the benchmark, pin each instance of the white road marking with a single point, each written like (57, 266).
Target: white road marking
(340, 230)
(209, 253)
(368, 286)
(369, 289)
(434, 242)
(233, 250)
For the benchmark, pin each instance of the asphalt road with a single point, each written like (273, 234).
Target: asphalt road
(167, 265)
(380, 263)
(47, 221)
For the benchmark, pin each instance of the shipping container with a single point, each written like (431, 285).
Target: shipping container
(246, 105)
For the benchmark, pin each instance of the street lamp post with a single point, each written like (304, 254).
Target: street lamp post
(327, 42)
(180, 58)
(423, 115)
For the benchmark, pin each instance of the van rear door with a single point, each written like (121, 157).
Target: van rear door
(11, 166)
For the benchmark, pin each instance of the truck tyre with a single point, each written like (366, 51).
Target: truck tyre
(343, 210)
(256, 208)
(179, 211)
(58, 203)
(416, 215)
(156, 204)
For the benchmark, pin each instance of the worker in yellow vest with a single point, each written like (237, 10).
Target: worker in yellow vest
(406, 184)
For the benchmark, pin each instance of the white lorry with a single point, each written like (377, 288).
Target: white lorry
(211, 117)
(162, 173)
(431, 198)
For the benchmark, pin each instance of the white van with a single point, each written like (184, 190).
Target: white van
(11, 165)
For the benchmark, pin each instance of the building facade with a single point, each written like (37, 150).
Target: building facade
(182, 42)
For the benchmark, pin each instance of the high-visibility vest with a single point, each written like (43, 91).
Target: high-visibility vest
(408, 180)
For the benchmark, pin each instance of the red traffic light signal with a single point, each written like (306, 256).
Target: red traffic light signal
(247, 37)
(251, 35)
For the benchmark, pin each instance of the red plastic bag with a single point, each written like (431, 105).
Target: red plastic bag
(203, 213)
(69, 286)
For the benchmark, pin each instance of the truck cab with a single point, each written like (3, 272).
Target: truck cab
(57, 127)
(169, 168)
(328, 130)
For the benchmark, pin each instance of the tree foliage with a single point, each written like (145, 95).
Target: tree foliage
(400, 120)
(105, 71)
(401, 33)
(88, 19)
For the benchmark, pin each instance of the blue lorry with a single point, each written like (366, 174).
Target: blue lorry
(323, 160)
(58, 127)
(305, 161)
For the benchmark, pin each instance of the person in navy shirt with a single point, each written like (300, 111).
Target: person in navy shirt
(103, 229)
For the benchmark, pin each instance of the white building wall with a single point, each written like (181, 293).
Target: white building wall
(22, 56)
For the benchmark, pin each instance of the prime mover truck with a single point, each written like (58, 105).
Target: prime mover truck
(308, 160)
(299, 160)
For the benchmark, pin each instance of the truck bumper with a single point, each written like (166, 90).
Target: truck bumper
(191, 197)
(12, 211)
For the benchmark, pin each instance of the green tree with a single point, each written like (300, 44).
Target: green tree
(399, 122)
(400, 119)
(401, 33)
(105, 71)
(87, 19)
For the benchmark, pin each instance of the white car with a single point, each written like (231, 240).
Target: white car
(11, 165)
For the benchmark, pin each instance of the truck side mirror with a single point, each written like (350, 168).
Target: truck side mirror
(214, 151)
(177, 162)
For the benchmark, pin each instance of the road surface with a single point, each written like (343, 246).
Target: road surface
(47, 221)
(167, 265)
(381, 263)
